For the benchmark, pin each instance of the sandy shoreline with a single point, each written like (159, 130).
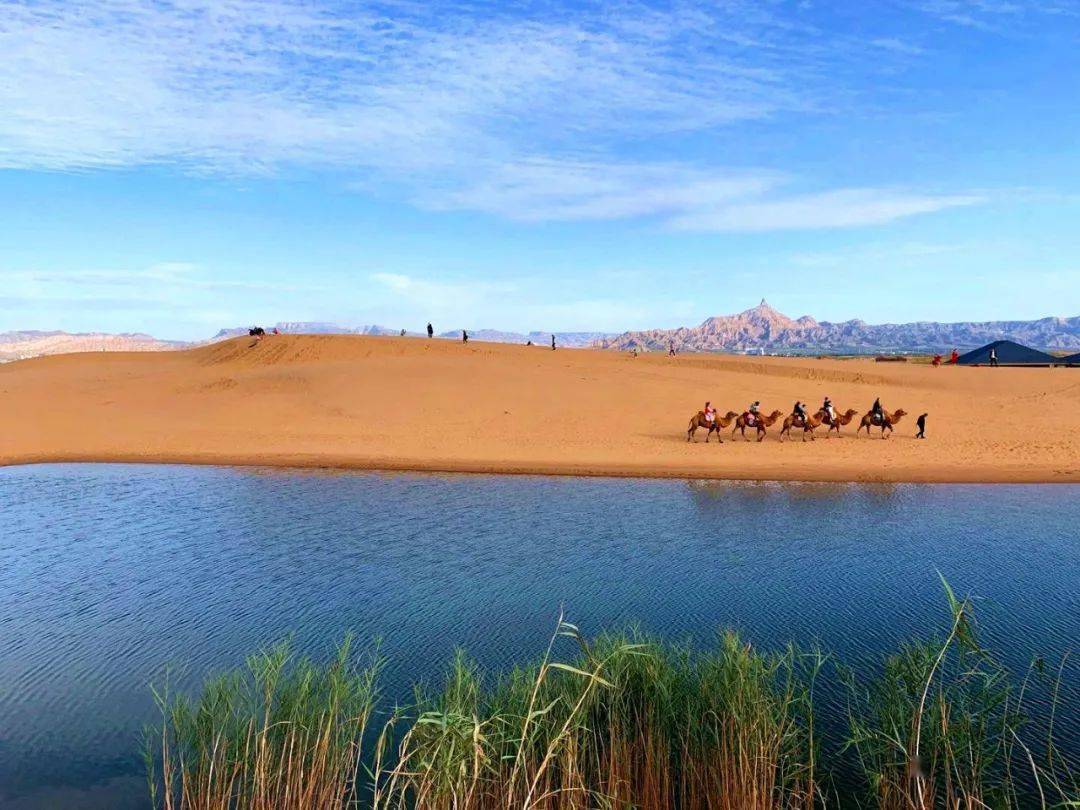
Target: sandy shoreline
(409, 404)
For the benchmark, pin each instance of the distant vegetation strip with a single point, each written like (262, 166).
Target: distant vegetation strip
(628, 721)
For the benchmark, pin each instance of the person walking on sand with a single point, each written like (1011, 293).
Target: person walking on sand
(553, 343)
(671, 349)
(921, 424)
(430, 331)
(993, 357)
(464, 336)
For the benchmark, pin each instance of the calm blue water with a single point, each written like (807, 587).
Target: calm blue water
(110, 573)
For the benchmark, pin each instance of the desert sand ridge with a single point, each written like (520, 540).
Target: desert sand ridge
(413, 404)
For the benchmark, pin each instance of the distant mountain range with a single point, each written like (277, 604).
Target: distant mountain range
(575, 340)
(26, 344)
(21, 345)
(763, 329)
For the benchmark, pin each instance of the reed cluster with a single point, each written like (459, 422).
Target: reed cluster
(627, 721)
(275, 733)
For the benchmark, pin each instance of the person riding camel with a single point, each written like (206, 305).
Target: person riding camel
(752, 412)
(877, 412)
(800, 412)
(827, 406)
(710, 412)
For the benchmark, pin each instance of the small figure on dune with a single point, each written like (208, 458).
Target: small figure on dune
(954, 357)
(464, 336)
(403, 333)
(430, 331)
(993, 357)
(921, 424)
(553, 343)
(671, 349)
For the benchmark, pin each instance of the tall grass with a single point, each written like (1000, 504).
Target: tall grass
(279, 732)
(625, 721)
(630, 723)
(940, 727)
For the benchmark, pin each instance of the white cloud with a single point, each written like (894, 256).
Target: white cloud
(840, 208)
(232, 85)
(442, 295)
(993, 15)
(545, 189)
(528, 113)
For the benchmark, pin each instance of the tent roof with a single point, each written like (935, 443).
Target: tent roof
(1008, 353)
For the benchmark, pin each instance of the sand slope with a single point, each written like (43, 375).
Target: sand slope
(391, 403)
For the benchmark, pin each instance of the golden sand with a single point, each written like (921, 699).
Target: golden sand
(416, 404)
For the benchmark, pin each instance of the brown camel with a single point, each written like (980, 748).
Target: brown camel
(718, 423)
(840, 420)
(890, 420)
(808, 425)
(760, 422)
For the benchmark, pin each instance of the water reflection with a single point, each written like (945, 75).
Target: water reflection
(110, 573)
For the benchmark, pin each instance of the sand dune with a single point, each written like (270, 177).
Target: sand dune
(414, 404)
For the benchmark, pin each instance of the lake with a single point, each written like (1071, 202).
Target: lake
(112, 574)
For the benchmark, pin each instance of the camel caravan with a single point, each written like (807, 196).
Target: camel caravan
(711, 422)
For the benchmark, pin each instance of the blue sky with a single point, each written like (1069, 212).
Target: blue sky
(177, 167)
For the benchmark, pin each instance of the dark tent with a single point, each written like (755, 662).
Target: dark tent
(1008, 354)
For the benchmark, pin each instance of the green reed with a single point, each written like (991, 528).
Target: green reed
(941, 727)
(626, 720)
(278, 732)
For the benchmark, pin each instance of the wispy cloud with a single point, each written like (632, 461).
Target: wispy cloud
(441, 295)
(994, 15)
(240, 85)
(841, 208)
(530, 112)
(545, 189)
(168, 286)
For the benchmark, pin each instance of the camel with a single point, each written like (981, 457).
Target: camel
(760, 422)
(808, 425)
(719, 422)
(890, 420)
(841, 419)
